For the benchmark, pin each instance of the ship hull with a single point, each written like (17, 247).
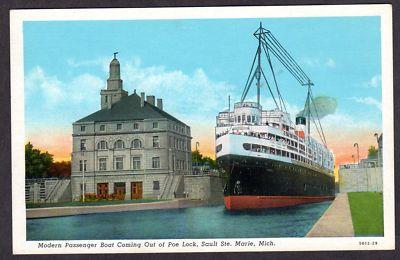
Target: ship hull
(265, 202)
(253, 183)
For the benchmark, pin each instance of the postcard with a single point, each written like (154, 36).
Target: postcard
(208, 129)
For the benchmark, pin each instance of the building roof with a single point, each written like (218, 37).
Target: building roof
(128, 108)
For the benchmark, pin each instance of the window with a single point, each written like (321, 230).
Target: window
(119, 144)
(136, 163)
(119, 126)
(82, 165)
(135, 126)
(102, 145)
(156, 141)
(106, 99)
(83, 128)
(136, 144)
(246, 146)
(156, 185)
(155, 124)
(119, 163)
(83, 145)
(243, 118)
(238, 119)
(102, 164)
(248, 119)
(253, 119)
(102, 128)
(156, 162)
(219, 148)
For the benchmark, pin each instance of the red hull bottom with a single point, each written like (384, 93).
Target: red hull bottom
(264, 202)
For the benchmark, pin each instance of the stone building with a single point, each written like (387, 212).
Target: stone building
(130, 147)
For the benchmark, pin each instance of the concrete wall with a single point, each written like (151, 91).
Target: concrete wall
(360, 179)
(204, 187)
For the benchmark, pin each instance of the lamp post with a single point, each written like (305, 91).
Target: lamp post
(197, 145)
(358, 152)
(83, 176)
(377, 141)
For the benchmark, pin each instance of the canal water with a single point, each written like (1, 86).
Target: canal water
(198, 222)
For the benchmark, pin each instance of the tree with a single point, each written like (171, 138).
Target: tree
(372, 152)
(198, 159)
(60, 169)
(37, 163)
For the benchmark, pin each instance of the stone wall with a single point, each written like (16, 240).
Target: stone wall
(360, 179)
(204, 187)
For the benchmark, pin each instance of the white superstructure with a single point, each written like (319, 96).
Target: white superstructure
(250, 131)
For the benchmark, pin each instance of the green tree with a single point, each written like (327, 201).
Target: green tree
(372, 152)
(199, 159)
(37, 163)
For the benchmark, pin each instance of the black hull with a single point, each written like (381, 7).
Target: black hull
(249, 176)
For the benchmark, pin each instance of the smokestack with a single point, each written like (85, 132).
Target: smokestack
(151, 100)
(142, 99)
(159, 103)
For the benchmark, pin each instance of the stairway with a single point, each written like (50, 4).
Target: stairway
(60, 191)
(171, 186)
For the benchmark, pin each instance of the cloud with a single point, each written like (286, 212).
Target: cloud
(183, 93)
(374, 82)
(330, 63)
(49, 86)
(317, 62)
(102, 62)
(368, 101)
(54, 92)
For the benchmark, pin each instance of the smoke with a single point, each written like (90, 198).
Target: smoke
(323, 104)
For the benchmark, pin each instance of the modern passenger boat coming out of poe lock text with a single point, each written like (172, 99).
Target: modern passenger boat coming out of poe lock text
(268, 160)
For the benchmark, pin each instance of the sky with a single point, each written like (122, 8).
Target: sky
(193, 65)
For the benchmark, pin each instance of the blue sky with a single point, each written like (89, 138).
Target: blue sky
(194, 64)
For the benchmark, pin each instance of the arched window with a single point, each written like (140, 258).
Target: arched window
(136, 144)
(119, 144)
(102, 145)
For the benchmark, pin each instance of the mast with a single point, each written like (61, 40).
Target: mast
(258, 71)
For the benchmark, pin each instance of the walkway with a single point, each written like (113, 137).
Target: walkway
(78, 210)
(336, 221)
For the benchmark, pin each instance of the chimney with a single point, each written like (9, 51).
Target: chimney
(142, 99)
(151, 100)
(159, 103)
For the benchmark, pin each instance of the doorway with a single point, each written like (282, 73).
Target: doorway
(136, 190)
(119, 190)
(102, 190)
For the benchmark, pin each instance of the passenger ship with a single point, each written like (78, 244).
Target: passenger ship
(268, 160)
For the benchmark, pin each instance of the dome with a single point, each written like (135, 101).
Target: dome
(114, 62)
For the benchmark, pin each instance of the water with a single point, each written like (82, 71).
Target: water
(199, 222)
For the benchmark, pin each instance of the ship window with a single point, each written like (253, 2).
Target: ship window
(278, 152)
(238, 119)
(219, 148)
(272, 150)
(253, 119)
(284, 153)
(249, 119)
(243, 118)
(246, 146)
(255, 147)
